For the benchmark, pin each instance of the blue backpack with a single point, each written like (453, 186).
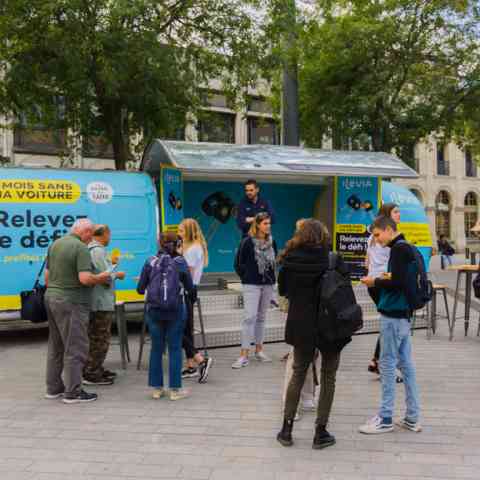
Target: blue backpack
(419, 287)
(164, 286)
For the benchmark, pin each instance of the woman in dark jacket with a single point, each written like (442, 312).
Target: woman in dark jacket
(304, 262)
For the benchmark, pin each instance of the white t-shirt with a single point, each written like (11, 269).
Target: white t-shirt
(378, 257)
(195, 259)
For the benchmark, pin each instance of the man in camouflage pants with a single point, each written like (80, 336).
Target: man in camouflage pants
(102, 310)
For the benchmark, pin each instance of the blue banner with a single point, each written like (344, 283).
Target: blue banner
(171, 188)
(357, 201)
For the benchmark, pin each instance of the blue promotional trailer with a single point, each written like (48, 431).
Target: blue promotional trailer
(38, 206)
(343, 189)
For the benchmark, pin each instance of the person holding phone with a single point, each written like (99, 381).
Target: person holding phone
(102, 310)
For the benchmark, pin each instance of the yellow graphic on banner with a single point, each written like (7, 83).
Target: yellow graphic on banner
(350, 228)
(39, 191)
(416, 233)
(12, 302)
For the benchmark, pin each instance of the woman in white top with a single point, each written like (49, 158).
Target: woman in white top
(195, 253)
(377, 263)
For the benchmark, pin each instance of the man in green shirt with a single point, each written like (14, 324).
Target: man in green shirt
(69, 279)
(102, 310)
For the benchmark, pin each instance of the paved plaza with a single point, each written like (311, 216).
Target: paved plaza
(227, 429)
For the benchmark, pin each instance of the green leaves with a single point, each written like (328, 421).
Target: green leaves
(390, 72)
(125, 67)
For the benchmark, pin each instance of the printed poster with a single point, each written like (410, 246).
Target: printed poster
(357, 200)
(171, 191)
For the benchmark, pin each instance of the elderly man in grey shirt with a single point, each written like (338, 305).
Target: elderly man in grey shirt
(102, 310)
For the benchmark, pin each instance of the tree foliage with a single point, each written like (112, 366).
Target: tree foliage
(384, 74)
(122, 68)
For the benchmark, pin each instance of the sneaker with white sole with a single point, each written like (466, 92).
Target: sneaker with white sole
(376, 425)
(261, 357)
(240, 362)
(53, 396)
(158, 393)
(190, 372)
(409, 425)
(205, 369)
(80, 397)
(179, 394)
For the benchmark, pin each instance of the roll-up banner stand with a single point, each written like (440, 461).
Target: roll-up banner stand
(357, 200)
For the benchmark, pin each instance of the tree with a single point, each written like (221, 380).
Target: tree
(123, 69)
(382, 75)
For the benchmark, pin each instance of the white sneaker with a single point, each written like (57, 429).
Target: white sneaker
(178, 394)
(375, 426)
(240, 362)
(261, 357)
(158, 393)
(408, 425)
(308, 405)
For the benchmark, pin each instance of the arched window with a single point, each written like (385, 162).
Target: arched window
(442, 214)
(417, 194)
(471, 212)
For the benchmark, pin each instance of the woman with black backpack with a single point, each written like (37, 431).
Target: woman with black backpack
(303, 264)
(166, 279)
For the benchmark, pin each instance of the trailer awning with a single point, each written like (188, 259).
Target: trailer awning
(220, 161)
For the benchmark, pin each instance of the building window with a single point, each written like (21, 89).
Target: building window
(471, 213)
(417, 194)
(259, 104)
(263, 131)
(216, 127)
(470, 165)
(214, 98)
(34, 136)
(442, 214)
(443, 166)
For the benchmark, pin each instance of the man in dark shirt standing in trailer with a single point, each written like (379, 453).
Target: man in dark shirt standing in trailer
(252, 205)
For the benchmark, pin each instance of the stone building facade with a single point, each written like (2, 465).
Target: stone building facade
(449, 188)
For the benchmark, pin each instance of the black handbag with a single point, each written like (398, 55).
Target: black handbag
(33, 301)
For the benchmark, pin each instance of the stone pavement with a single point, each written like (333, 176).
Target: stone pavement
(227, 429)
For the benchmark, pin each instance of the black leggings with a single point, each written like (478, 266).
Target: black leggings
(375, 296)
(188, 342)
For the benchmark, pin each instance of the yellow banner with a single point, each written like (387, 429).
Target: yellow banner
(350, 228)
(417, 233)
(39, 191)
(12, 302)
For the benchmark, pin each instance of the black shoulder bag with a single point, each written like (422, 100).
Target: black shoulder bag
(33, 301)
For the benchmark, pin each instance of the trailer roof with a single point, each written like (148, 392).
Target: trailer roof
(201, 160)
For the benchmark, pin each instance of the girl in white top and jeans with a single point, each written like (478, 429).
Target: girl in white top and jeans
(376, 263)
(195, 253)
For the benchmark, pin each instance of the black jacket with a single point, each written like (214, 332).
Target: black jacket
(247, 268)
(300, 280)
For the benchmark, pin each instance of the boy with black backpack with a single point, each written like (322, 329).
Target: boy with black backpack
(402, 290)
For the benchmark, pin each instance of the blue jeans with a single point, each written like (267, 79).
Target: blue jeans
(169, 332)
(396, 349)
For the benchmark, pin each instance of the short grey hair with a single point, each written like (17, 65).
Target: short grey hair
(82, 224)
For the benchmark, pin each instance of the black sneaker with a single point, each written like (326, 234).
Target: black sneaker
(80, 397)
(204, 369)
(322, 438)
(98, 381)
(109, 374)
(190, 373)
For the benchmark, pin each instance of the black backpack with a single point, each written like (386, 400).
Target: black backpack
(476, 286)
(419, 287)
(339, 316)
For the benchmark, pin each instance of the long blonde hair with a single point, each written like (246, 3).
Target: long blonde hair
(193, 234)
